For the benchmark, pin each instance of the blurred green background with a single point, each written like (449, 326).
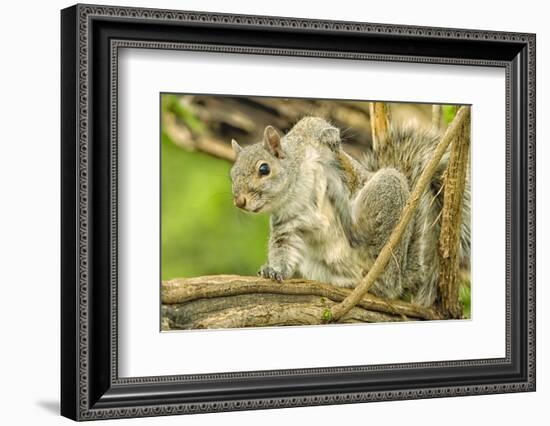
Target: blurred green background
(202, 232)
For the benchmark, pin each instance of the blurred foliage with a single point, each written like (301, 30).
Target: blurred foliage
(202, 233)
(172, 103)
(465, 297)
(449, 112)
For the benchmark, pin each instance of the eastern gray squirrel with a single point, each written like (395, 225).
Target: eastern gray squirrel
(332, 214)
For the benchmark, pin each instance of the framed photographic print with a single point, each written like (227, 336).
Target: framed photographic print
(263, 212)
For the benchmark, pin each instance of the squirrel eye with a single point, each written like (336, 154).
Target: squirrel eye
(264, 169)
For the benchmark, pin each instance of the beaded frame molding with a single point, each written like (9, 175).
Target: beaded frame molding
(91, 37)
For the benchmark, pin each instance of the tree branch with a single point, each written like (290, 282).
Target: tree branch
(380, 125)
(271, 314)
(425, 178)
(451, 222)
(236, 301)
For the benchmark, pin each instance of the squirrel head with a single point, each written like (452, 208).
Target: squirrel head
(259, 177)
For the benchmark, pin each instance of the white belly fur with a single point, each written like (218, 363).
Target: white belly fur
(328, 256)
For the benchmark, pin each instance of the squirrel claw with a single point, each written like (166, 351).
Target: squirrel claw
(269, 272)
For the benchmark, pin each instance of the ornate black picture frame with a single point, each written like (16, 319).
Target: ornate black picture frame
(90, 39)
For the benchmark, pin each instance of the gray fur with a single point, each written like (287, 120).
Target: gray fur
(331, 214)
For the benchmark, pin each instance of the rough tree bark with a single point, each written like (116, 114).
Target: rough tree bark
(338, 311)
(228, 301)
(451, 221)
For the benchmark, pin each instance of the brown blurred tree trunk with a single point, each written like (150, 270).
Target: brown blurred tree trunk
(437, 112)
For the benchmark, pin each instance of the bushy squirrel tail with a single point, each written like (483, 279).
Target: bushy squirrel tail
(408, 150)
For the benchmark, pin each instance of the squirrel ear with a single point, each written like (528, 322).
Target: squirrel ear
(272, 142)
(236, 147)
(331, 137)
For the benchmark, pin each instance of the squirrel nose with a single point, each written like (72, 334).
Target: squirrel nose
(240, 201)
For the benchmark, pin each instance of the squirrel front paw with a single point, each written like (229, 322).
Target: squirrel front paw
(267, 271)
